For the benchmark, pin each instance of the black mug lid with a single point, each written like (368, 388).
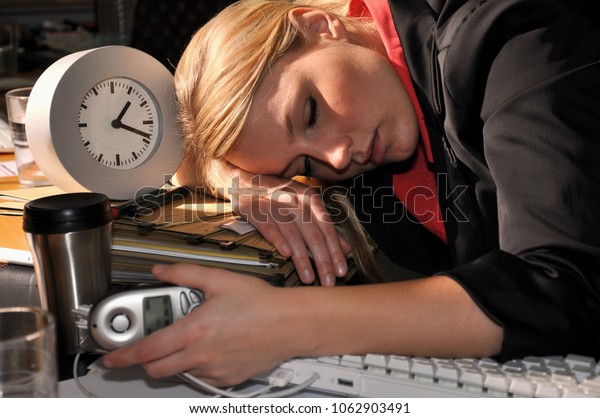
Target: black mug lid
(67, 213)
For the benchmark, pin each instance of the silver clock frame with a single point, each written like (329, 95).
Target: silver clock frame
(51, 122)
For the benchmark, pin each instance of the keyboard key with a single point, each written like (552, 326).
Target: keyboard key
(376, 363)
(534, 361)
(576, 392)
(547, 390)
(563, 378)
(423, 369)
(558, 365)
(514, 366)
(577, 360)
(471, 378)
(447, 375)
(582, 372)
(591, 384)
(334, 360)
(399, 366)
(496, 383)
(354, 361)
(521, 387)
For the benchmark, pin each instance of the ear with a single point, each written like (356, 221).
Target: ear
(317, 24)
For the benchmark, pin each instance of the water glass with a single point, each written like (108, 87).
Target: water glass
(28, 362)
(30, 174)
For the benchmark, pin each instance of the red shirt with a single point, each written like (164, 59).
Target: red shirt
(417, 187)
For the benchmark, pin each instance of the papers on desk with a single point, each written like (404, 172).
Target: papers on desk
(5, 139)
(8, 169)
(25, 195)
(12, 202)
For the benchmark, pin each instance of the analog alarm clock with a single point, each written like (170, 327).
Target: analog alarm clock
(104, 120)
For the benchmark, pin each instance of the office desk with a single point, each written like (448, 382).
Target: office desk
(17, 282)
(12, 235)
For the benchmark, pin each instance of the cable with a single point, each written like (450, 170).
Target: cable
(260, 393)
(81, 388)
(266, 391)
(293, 390)
(194, 381)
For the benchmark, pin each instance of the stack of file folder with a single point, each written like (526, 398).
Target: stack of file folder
(200, 230)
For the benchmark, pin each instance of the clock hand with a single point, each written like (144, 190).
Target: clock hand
(123, 112)
(118, 124)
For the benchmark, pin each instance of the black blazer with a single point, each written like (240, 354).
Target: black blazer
(510, 90)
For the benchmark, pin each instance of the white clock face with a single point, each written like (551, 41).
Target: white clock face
(119, 123)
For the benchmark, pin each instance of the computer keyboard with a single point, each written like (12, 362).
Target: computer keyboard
(376, 375)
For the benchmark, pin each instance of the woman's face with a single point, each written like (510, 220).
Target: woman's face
(331, 112)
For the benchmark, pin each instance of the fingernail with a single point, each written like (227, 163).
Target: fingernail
(107, 362)
(341, 269)
(307, 275)
(328, 280)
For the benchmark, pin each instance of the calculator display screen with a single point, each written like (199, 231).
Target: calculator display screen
(158, 313)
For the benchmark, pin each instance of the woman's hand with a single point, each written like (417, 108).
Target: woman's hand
(235, 334)
(293, 217)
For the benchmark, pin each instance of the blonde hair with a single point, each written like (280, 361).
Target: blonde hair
(221, 69)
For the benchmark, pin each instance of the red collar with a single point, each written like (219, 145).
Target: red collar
(380, 12)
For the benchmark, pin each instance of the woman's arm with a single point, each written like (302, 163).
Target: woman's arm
(246, 326)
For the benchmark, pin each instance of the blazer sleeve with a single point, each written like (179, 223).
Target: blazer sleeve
(540, 116)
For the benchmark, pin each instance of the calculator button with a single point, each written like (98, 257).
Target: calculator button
(184, 302)
(196, 297)
(120, 323)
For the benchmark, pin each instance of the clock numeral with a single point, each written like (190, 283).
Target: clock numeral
(95, 91)
(100, 157)
(144, 103)
(118, 159)
(148, 122)
(146, 141)
(83, 125)
(83, 106)
(129, 90)
(112, 87)
(135, 156)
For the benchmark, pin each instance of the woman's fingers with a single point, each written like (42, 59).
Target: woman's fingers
(293, 218)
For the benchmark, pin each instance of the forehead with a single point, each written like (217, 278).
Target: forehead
(264, 144)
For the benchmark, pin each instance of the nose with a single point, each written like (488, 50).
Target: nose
(336, 152)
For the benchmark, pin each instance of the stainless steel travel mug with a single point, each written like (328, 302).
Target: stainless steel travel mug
(70, 238)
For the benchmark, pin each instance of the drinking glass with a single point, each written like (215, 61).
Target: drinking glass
(30, 174)
(28, 363)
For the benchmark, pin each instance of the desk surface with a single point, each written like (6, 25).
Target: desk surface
(11, 226)
(18, 282)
